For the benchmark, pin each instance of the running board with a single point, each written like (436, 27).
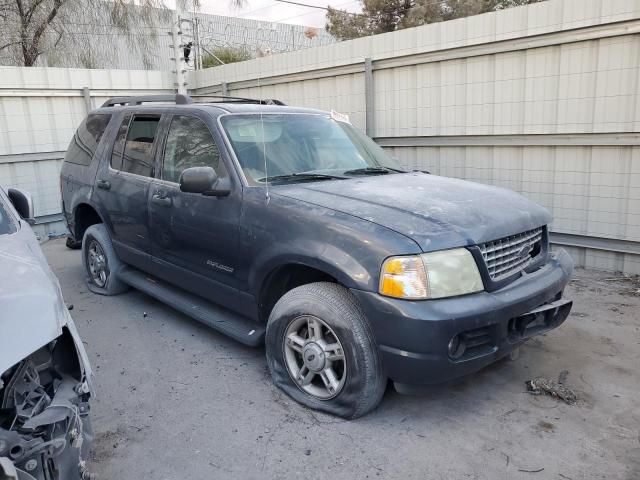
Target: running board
(235, 326)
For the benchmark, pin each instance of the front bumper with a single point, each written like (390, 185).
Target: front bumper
(413, 336)
(45, 427)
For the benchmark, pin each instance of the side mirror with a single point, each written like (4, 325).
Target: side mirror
(197, 179)
(23, 203)
(204, 180)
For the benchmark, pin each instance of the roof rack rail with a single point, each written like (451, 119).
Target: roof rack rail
(178, 99)
(229, 99)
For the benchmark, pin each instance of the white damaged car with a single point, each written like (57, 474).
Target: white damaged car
(45, 377)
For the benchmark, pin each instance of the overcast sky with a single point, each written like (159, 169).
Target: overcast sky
(273, 11)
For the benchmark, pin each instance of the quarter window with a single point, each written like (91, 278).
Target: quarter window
(189, 144)
(87, 138)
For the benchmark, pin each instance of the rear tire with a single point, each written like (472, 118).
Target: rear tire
(100, 262)
(72, 244)
(321, 351)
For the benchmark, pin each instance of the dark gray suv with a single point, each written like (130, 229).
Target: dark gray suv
(289, 226)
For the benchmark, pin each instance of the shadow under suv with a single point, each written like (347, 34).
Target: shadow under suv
(290, 227)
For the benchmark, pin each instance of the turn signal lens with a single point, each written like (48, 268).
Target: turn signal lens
(403, 277)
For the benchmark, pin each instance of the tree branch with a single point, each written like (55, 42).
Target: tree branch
(7, 45)
(32, 9)
(33, 51)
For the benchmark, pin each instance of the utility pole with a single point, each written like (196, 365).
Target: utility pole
(176, 35)
(196, 37)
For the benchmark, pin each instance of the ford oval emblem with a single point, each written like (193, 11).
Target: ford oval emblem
(524, 251)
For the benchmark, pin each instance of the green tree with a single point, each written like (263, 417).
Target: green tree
(224, 55)
(380, 16)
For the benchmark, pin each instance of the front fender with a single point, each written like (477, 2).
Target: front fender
(328, 259)
(288, 231)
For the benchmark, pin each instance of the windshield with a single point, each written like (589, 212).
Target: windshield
(7, 224)
(299, 147)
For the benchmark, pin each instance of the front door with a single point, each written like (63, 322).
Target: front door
(122, 185)
(194, 236)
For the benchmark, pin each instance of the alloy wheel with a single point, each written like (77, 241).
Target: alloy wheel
(97, 262)
(314, 357)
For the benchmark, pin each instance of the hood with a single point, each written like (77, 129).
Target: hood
(32, 312)
(436, 212)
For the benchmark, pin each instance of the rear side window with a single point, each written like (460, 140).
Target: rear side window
(138, 148)
(189, 144)
(87, 138)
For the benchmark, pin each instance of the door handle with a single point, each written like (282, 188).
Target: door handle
(160, 200)
(104, 184)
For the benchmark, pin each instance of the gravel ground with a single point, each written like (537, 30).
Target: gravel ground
(176, 400)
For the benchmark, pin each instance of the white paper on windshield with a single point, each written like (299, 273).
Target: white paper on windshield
(340, 117)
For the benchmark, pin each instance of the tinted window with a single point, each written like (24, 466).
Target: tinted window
(86, 139)
(118, 146)
(6, 222)
(138, 147)
(189, 144)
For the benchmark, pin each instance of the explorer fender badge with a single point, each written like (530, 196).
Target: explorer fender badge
(219, 266)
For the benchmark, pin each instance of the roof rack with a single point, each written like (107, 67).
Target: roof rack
(180, 99)
(228, 99)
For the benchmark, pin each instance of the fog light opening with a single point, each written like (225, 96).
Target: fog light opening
(456, 347)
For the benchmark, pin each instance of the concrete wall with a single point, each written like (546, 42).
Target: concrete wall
(541, 99)
(40, 109)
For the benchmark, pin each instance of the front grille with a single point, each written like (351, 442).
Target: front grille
(510, 255)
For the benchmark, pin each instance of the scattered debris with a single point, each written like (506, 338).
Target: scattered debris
(531, 471)
(546, 426)
(542, 385)
(563, 376)
(632, 281)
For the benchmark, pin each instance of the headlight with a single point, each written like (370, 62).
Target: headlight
(446, 273)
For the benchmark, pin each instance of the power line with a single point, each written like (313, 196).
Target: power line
(250, 12)
(302, 4)
(324, 8)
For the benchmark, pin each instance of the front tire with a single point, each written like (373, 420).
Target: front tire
(100, 261)
(321, 351)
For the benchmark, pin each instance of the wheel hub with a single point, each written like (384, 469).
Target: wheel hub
(313, 357)
(97, 264)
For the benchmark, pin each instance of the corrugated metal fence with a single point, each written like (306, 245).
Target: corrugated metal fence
(543, 99)
(40, 108)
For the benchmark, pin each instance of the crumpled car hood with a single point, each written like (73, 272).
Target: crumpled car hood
(436, 212)
(32, 311)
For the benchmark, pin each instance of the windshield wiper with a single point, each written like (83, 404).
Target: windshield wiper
(301, 176)
(373, 171)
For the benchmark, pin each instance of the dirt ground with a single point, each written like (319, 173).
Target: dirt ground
(177, 400)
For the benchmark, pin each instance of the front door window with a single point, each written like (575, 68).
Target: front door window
(189, 144)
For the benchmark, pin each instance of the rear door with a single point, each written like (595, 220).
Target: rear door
(123, 181)
(195, 236)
